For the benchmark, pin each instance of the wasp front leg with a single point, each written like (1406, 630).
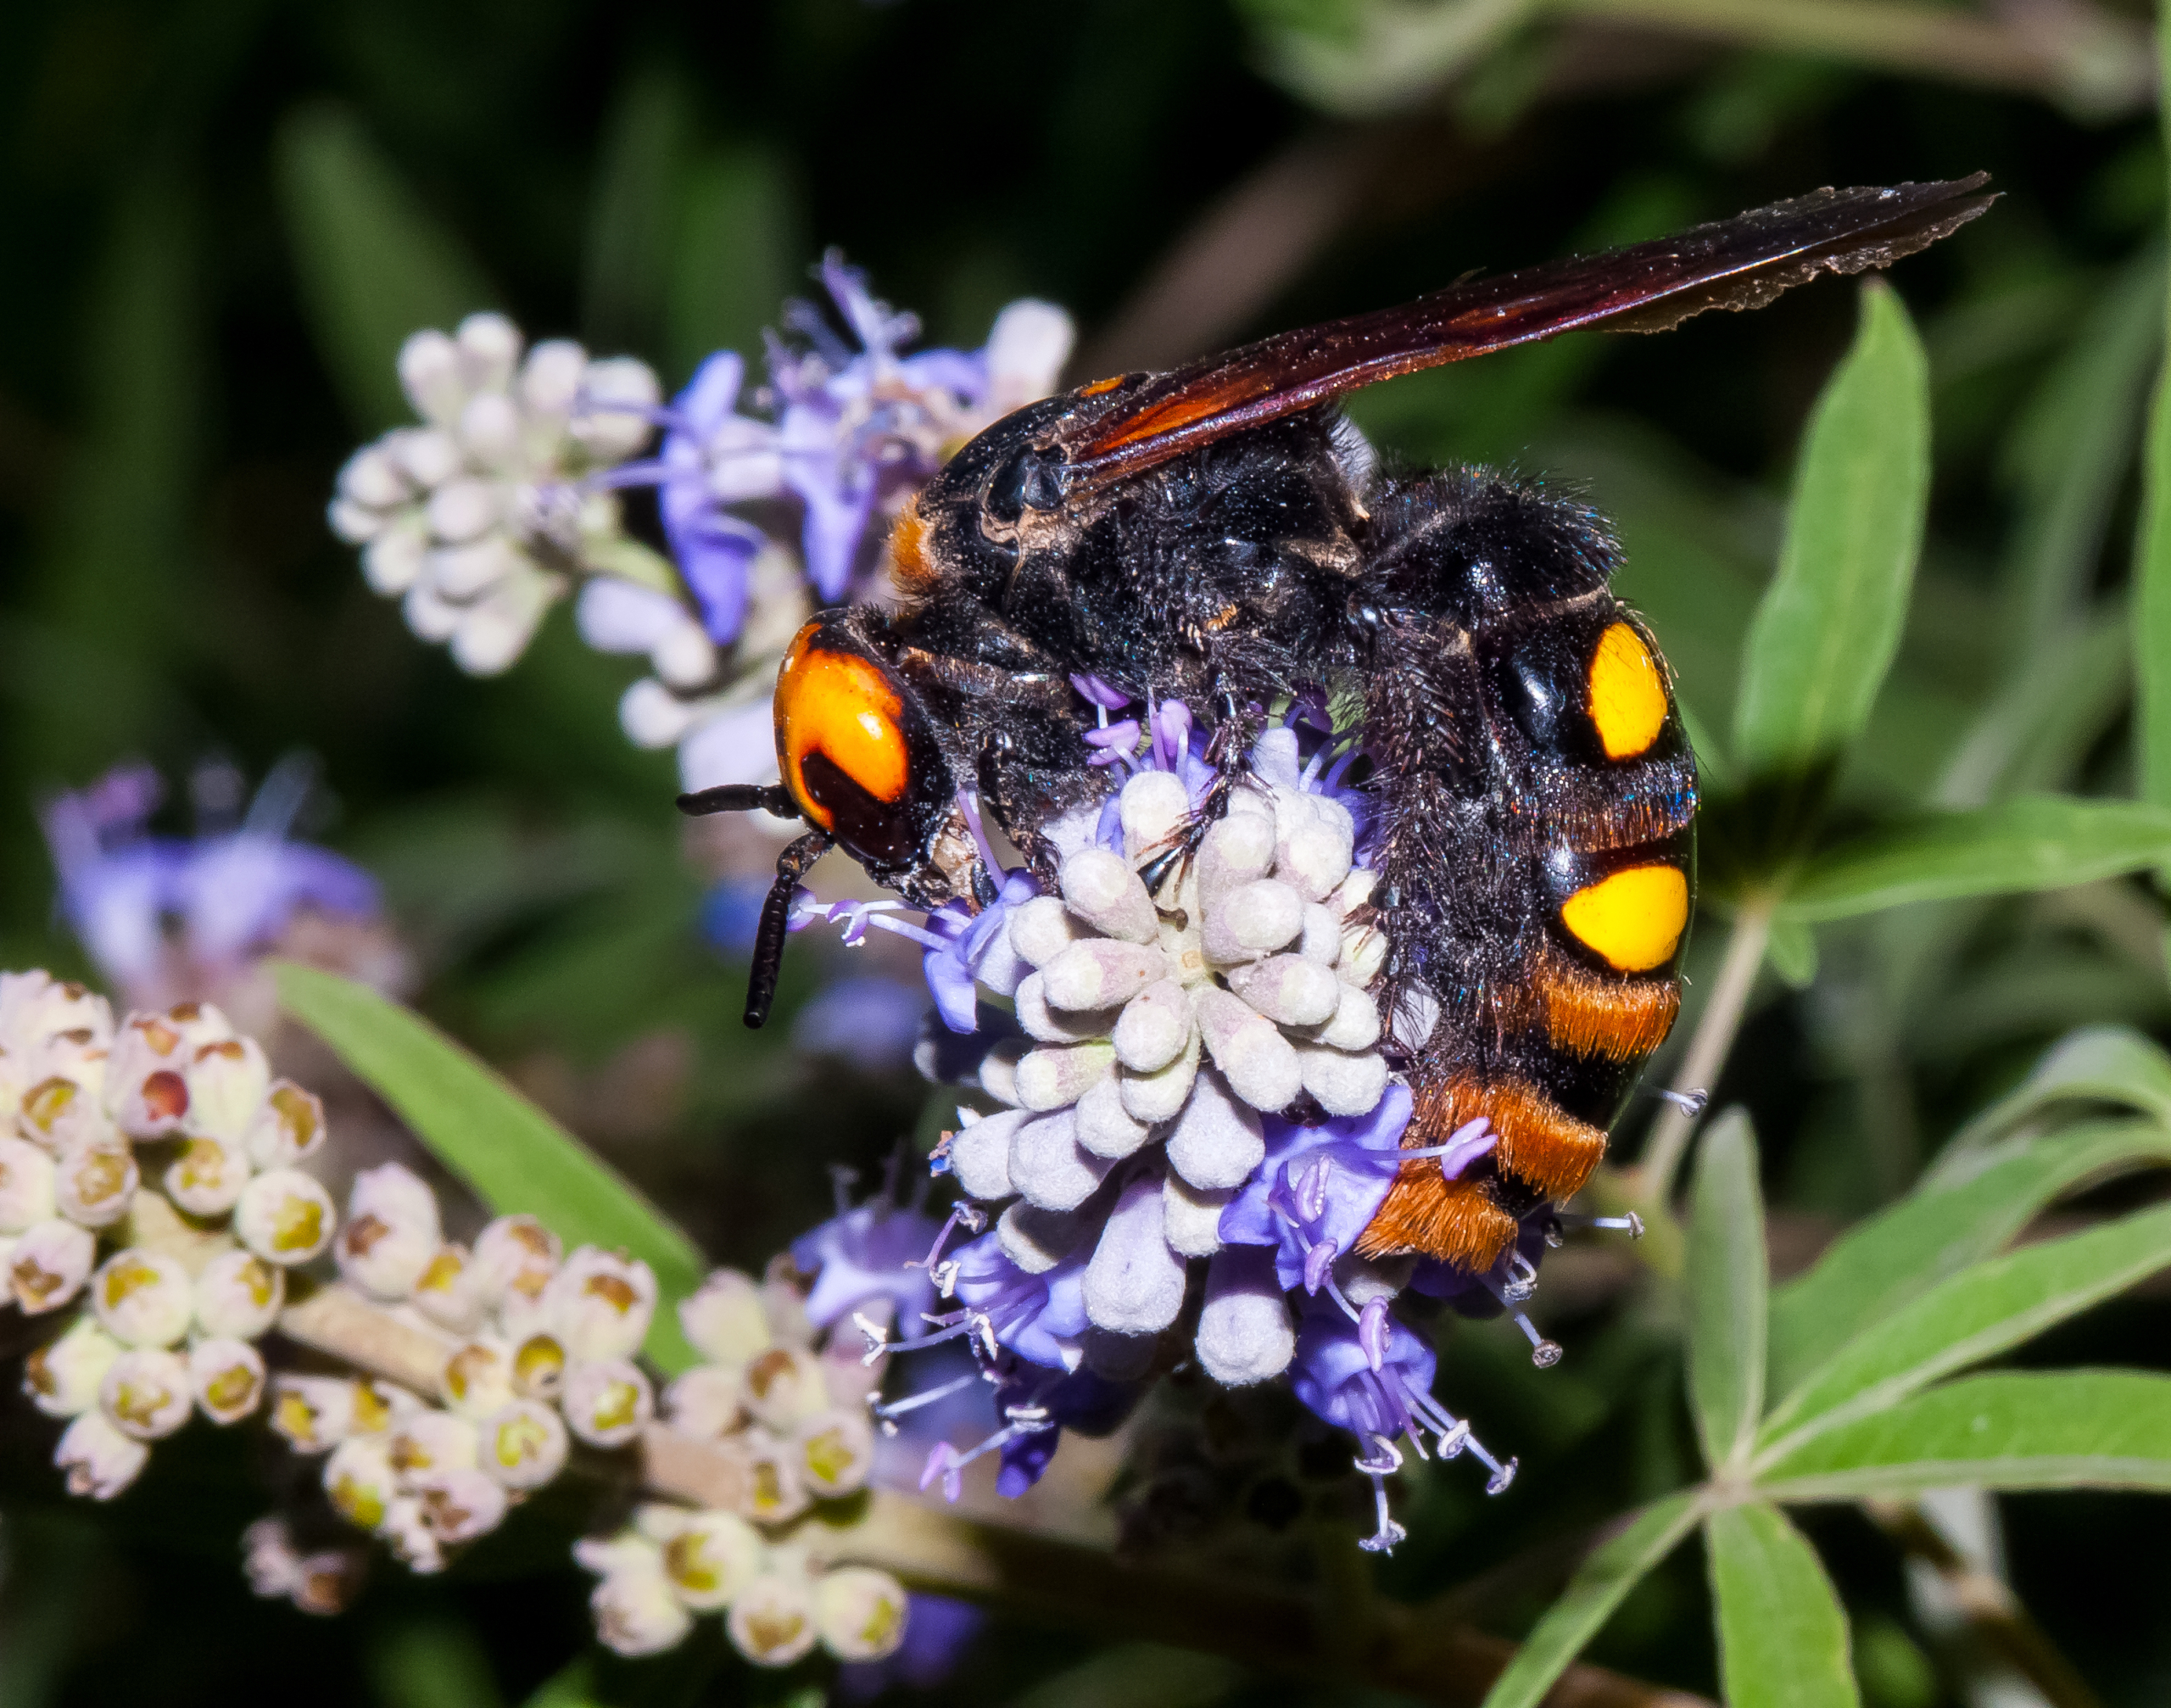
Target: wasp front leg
(792, 865)
(1237, 727)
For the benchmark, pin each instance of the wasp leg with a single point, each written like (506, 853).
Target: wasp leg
(792, 865)
(771, 798)
(1239, 727)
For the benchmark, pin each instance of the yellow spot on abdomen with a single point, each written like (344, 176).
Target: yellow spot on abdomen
(838, 705)
(1628, 693)
(1634, 918)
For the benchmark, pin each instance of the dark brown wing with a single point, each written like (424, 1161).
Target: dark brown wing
(1741, 263)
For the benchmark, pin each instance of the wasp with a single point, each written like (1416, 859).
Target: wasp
(1208, 534)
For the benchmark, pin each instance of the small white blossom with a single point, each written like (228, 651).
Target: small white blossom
(709, 1557)
(228, 1081)
(514, 1255)
(314, 1413)
(146, 1393)
(477, 1379)
(704, 1402)
(62, 1379)
(360, 1481)
(99, 1460)
(406, 1531)
(238, 1296)
(322, 1583)
(95, 1181)
(784, 1387)
(724, 1320)
(207, 1177)
(49, 1264)
(428, 1439)
(539, 1367)
(284, 1217)
(144, 1299)
(637, 1611)
(607, 1403)
(772, 1619)
(834, 1451)
(458, 1504)
(860, 1612)
(289, 1125)
(523, 1446)
(601, 1304)
(449, 1292)
(391, 1232)
(26, 1183)
(227, 1376)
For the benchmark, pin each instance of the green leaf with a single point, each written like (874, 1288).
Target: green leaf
(515, 1158)
(2063, 1429)
(572, 1686)
(2031, 842)
(1611, 1572)
(1828, 625)
(1985, 1309)
(375, 265)
(737, 257)
(633, 208)
(2097, 1064)
(1792, 951)
(1878, 1267)
(2152, 565)
(1782, 1635)
(1728, 1273)
(431, 1664)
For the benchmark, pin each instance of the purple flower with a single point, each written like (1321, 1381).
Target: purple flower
(1319, 1187)
(937, 1632)
(1039, 1317)
(872, 1250)
(1378, 1390)
(975, 950)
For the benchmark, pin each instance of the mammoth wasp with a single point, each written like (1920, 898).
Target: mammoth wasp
(1207, 534)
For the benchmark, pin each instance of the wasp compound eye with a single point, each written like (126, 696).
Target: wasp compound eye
(1032, 479)
(854, 751)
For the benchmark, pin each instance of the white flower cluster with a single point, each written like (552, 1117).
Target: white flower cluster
(672, 1564)
(480, 518)
(169, 1145)
(1161, 1031)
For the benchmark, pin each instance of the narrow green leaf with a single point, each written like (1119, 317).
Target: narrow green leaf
(1611, 1572)
(1783, 1634)
(1985, 1309)
(2062, 1429)
(1828, 625)
(2153, 562)
(375, 265)
(737, 254)
(1880, 1266)
(1728, 1274)
(2031, 842)
(2097, 1064)
(632, 209)
(515, 1156)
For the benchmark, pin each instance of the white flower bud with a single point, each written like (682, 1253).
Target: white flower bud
(391, 561)
(1252, 920)
(1101, 889)
(1356, 1022)
(94, 1183)
(406, 1533)
(1100, 973)
(62, 1379)
(60, 1112)
(430, 373)
(979, 1155)
(1244, 1334)
(206, 1178)
(390, 1234)
(1342, 1084)
(1289, 989)
(1363, 952)
(1234, 852)
(48, 1265)
(1047, 1025)
(1314, 838)
(465, 508)
(1042, 928)
(1191, 1216)
(834, 1452)
(704, 1402)
(146, 1393)
(1259, 1063)
(1158, 1096)
(429, 456)
(1057, 1076)
(26, 1182)
(772, 1619)
(860, 1613)
(284, 1217)
(539, 1367)
(723, 1318)
(226, 1377)
(238, 1296)
(784, 1387)
(1320, 940)
(1105, 1127)
(1152, 804)
(1153, 1027)
(607, 1403)
(477, 1377)
(1037, 1239)
(489, 346)
(514, 1252)
(289, 1125)
(144, 1299)
(1216, 1141)
(99, 1460)
(601, 1304)
(710, 1557)
(146, 1091)
(314, 1413)
(428, 1439)
(637, 1611)
(379, 1405)
(523, 1447)
(653, 717)
(447, 1291)
(360, 1481)
(228, 1081)
(1050, 1167)
(1134, 1283)
(458, 1506)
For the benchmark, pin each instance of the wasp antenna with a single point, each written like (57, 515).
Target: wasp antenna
(740, 797)
(776, 922)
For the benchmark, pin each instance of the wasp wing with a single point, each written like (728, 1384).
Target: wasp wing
(1740, 262)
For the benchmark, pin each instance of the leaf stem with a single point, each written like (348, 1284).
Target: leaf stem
(1708, 1047)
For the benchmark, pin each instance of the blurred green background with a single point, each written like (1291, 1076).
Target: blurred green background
(197, 321)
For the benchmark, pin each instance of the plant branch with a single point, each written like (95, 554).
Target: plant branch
(1389, 1646)
(1994, 1614)
(1708, 1048)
